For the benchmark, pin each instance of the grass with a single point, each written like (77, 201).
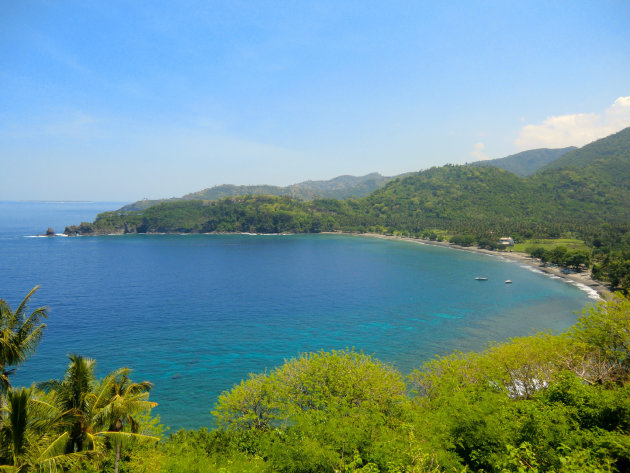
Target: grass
(548, 244)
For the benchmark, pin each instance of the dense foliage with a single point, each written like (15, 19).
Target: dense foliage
(255, 214)
(62, 425)
(560, 255)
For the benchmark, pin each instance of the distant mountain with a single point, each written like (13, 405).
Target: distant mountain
(527, 162)
(341, 187)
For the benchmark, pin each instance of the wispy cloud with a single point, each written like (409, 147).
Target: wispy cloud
(76, 125)
(576, 129)
(478, 152)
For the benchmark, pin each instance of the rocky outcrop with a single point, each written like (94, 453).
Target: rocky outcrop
(50, 231)
(84, 228)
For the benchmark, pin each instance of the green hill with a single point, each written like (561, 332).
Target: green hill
(249, 214)
(453, 197)
(340, 187)
(601, 153)
(593, 182)
(527, 162)
(590, 185)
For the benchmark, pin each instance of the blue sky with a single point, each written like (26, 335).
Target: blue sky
(124, 100)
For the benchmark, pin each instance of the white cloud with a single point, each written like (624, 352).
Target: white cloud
(478, 152)
(576, 129)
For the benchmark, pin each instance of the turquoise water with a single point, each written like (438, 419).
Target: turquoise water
(194, 314)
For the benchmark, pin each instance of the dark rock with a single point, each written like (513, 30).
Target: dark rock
(50, 232)
(71, 230)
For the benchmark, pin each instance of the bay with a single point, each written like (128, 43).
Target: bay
(195, 314)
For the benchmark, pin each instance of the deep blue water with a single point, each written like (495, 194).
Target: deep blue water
(194, 314)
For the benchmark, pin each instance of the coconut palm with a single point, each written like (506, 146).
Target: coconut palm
(31, 438)
(96, 411)
(72, 396)
(20, 333)
(119, 400)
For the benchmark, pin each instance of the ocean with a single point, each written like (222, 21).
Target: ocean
(195, 314)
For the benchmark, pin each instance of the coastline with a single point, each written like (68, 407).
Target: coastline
(582, 279)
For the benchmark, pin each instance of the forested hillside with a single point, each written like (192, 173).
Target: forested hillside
(253, 214)
(588, 186)
(593, 181)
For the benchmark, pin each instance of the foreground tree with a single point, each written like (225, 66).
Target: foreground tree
(601, 342)
(72, 396)
(119, 401)
(319, 412)
(97, 411)
(31, 438)
(20, 333)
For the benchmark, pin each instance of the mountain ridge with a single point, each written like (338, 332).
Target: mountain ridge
(346, 186)
(340, 187)
(528, 162)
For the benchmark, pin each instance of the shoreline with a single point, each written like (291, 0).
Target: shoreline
(582, 279)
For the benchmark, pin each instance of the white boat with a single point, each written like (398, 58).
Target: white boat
(507, 281)
(481, 278)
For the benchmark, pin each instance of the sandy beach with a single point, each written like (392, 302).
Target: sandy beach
(583, 280)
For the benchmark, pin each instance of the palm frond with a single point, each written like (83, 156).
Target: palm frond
(125, 438)
(55, 448)
(19, 333)
(24, 302)
(65, 461)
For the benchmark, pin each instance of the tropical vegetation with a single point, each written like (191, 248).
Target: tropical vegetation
(63, 425)
(20, 332)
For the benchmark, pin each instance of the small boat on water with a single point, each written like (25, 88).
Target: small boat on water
(507, 281)
(481, 278)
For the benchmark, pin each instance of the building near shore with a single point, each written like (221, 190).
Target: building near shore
(506, 241)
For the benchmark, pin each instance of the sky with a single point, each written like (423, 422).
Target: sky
(118, 101)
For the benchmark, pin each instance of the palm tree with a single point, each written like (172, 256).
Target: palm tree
(72, 396)
(31, 438)
(119, 401)
(19, 335)
(94, 411)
